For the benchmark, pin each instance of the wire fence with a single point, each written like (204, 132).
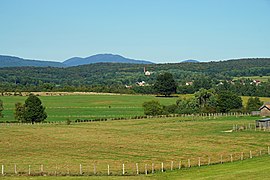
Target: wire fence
(125, 169)
(193, 117)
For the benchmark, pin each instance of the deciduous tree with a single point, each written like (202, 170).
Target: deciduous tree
(165, 84)
(34, 110)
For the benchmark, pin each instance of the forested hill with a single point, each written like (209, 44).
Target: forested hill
(102, 58)
(120, 74)
(12, 61)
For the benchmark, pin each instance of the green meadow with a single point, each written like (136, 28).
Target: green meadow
(63, 147)
(256, 169)
(61, 108)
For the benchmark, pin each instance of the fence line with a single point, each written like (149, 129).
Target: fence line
(125, 169)
(249, 127)
(192, 116)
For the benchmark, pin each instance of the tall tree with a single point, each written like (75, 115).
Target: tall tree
(165, 84)
(227, 101)
(203, 96)
(253, 104)
(19, 112)
(34, 110)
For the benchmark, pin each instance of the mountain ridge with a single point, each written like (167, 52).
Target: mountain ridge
(190, 61)
(14, 61)
(103, 58)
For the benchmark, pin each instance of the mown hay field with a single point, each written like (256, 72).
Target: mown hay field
(146, 141)
(61, 108)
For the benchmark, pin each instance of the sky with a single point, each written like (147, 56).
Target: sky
(162, 31)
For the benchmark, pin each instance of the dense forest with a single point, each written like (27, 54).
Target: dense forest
(116, 77)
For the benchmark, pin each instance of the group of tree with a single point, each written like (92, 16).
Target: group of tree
(112, 77)
(204, 101)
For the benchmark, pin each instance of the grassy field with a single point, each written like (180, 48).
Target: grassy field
(260, 78)
(60, 108)
(146, 141)
(240, 170)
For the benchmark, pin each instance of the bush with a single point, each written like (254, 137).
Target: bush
(152, 108)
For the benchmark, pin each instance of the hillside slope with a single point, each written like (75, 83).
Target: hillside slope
(102, 58)
(11, 61)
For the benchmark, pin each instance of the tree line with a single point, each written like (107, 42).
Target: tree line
(112, 77)
(204, 101)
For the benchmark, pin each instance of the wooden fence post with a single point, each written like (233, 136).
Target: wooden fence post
(108, 169)
(162, 170)
(123, 169)
(180, 164)
(29, 170)
(260, 152)
(68, 171)
(80, 169)
(221, 159)
(199, 162)
(171, 165)
(137, 168)
(153, 168)
(189, 163)
(250, 154)
(15, 168)
(95, 170)
(242, 156)
(209, 161)
(3, 169)
(41, 168)
(231, 158)
(268, 150)
(145, 167)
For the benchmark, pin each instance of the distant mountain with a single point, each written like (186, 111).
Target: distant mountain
(190, 61)
(11, 61)
(102, 58)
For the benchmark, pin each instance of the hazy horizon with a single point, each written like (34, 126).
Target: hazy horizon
(180, 60)
(155, 30)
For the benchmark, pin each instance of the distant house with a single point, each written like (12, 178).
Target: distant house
(256, 82)
(189, 83)
(147, 73)
(263, 123)
(129, 87)
(265, 109)
(141, 83)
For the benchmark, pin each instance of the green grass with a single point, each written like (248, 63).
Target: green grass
(260, 78)
(131, 141)
(60, 108)
(256, 168)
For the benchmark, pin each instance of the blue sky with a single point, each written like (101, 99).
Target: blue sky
(156, 30)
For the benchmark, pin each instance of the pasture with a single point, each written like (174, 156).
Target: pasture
(146, 141)
(240, 170)
(260, 78)
(61, 108)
